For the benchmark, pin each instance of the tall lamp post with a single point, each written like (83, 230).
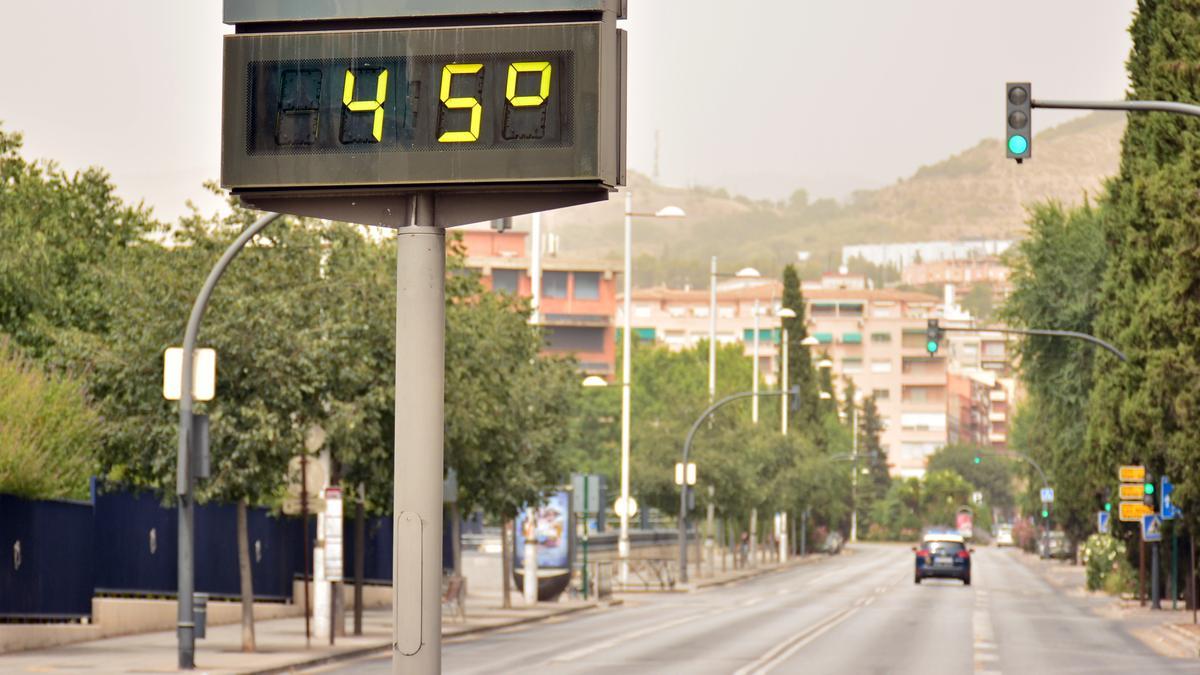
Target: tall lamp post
(744, 273)
(627, 369)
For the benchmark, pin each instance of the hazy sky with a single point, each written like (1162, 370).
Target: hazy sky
(758, 96)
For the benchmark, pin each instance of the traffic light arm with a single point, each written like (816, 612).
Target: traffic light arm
(1129, 106)
(687, 448)
(1047, 332)
(1020, 455)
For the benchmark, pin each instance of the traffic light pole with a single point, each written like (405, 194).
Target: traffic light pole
(1043, 332)
(1127, 106)
(687, 448)
(1045, 484)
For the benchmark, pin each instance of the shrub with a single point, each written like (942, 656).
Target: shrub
(48, 432)
(1104, 556)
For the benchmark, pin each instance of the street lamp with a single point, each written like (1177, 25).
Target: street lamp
(744, 273)
(626, 370)
(594, 381)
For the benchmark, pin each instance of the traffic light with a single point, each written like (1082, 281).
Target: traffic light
(978, 459)
(1018, 99)
(1108, 499)
(1045, 513)
(933, 337)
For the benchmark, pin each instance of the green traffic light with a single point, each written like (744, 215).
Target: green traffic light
(931, 346)
(978, 459)
(1108, 506)
(1017, 144)
(1045, 513)
(1149, 487)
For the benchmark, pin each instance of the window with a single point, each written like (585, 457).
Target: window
(554, 284)
(852, 338)
(641, 311)
(764, 335)
(923, 421)
(851, 365)
(824, 338)
(587, 285)
(677, 312)
(881, 365)
(881, 394)
(701, 312)
(506, 280)
(884, 311)
(823, 309)
(850, 309)
(881, 338)
(725, 312)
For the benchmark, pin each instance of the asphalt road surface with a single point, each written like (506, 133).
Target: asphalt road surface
(855, 613)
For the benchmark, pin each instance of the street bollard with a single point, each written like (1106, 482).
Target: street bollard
(200, 614)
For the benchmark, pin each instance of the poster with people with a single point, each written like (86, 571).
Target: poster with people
(547, 525)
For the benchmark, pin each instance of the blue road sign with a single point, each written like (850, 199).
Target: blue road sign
(1169, 510)
(1151, 528)
(1102, 520)
(1047, 495)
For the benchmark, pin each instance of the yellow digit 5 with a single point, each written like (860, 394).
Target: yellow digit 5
(461, 103)
(542, 67)
(375, 106)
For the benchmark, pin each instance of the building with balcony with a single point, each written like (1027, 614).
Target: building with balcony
(578, 299)
(876, 338)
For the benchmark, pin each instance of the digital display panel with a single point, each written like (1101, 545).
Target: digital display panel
(423, 106)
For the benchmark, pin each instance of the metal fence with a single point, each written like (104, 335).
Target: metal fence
(55, 555)
(44, 547)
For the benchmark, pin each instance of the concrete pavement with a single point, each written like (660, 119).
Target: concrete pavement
(859, 613)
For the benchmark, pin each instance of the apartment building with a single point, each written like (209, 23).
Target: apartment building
(987, 359)
(578, 299)
(876, 338)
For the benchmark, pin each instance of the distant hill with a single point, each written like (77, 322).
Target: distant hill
(976, 193)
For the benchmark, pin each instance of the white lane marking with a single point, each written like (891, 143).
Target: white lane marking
(784, 650)
(626, 637)
(984, 647)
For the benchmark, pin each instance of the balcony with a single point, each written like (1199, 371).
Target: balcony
(997, 437)
(997, 417)
(998, 395)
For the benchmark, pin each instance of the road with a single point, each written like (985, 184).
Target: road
(857, 613)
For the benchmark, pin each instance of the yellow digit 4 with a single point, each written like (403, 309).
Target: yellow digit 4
(461, 103)
(542, 67)
(375, 106)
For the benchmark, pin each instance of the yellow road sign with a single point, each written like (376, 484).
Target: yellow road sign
(1132, 474)
(1132, 491)
(1132, 512)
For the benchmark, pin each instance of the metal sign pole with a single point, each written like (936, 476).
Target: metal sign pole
(417, 479)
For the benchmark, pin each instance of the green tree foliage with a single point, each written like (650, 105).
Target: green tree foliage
(993, 475)
(914, 504)
(1147, 410)
(800, 364)
(48, 431)
(58, 229)
(980, 301)
(1057, 273)
(878, 480)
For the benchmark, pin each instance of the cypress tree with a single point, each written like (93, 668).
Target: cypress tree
(1148, 411)
(800, 367)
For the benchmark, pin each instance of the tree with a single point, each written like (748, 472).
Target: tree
(57, 229)
(1145, 411)
(800, 366)
(992, 475)
(879, 479)
(1057, 273)
(48, 431)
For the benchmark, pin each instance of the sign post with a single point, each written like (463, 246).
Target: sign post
(372, 112)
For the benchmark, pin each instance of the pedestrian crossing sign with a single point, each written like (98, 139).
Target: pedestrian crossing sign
(1151, 528)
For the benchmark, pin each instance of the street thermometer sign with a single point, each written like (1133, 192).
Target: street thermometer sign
(341, 109)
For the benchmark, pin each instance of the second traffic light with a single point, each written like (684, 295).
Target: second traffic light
(1018, 120)
(933, 337)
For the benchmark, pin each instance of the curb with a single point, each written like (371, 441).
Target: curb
(353, 654)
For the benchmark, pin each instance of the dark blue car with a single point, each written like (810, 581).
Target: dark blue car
(943, 556)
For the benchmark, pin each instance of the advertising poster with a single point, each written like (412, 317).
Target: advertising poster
(547, 524)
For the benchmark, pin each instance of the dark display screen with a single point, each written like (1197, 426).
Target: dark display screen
(423, 106)
(410, 104)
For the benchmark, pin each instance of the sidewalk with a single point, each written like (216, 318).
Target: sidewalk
(1168, 631)
(280, 643)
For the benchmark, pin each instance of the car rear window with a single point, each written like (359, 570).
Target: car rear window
(945, 547)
